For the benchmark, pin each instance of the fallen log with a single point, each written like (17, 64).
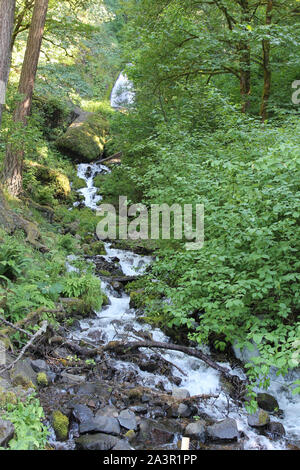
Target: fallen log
(82, 351)
(121, 348)
(116, 155)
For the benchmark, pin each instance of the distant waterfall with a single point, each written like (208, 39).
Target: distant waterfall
(122, 94)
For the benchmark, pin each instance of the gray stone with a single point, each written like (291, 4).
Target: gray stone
(82, 413)
(122, 445)
(109, 410)
(72, 379)
(23, 374)
(267, 402)
(180, 393)
(7, 431)
(196, 430)
(275, 429)
(127, 419)
(39, 365)
(181, 411)
(158, 433)
(258, 419)
(96, 442)
(225, 430)
(103, 424)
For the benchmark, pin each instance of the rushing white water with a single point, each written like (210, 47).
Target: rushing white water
(88, 172)
(122, 95)
(117, 321)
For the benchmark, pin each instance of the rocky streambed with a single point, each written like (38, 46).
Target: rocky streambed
(149, 399)
(143, 398)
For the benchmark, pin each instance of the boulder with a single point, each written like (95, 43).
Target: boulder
(183, 411)
(53, 178)
(258, 419)
(85, 138)
(196, 430)
(127, 420)
(7, 431)
(267, 402)
(275, 430)
(103, 424)
(82, 413)
(23, 374)
(97, 441)
(154, 433)
(225, 430)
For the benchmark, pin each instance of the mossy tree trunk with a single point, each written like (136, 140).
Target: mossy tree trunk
(7, 13)
(13, 163)
(266, 47)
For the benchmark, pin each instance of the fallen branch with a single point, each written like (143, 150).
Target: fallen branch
(86, 352)
(119, 347)
(116, 155)
(41, 331)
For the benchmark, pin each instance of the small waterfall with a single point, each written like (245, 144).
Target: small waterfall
(122, 95)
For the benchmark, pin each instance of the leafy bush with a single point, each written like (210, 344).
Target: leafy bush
(30, 433)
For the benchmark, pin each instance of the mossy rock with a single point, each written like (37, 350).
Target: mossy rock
(93, 249)
(42, 379)
(49, 177)
(60, 425)
(85, 138)
(7, 397)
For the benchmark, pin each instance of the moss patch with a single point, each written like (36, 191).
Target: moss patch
(60, 425)
(85, 138)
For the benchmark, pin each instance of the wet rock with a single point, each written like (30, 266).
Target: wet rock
(23, 374)
(72, 379)
(180, 393)
(154, 433)
(7, 431)
(110, 411)
(122, 445)
(267, 402)
(196, 430)
(180, 411)
(82, 413)
(96, 442)
(275, 430)
(99, 423)
(139, 409)
(127, 420)
(39, 365)
(225, 430)
(258, 419)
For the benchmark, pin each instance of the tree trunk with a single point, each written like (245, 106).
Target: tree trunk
(245, 59)
(7, 13)
(245, 77)
(266, 65)
(13, 163)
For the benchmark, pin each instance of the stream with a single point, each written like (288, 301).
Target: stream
(117, 321)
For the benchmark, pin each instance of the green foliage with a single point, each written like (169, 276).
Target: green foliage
(86, 287)
(30, 433)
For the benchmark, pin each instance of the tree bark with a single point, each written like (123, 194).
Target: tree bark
(245, 60)
(266, 47)
(7, 13)
(13, 163)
